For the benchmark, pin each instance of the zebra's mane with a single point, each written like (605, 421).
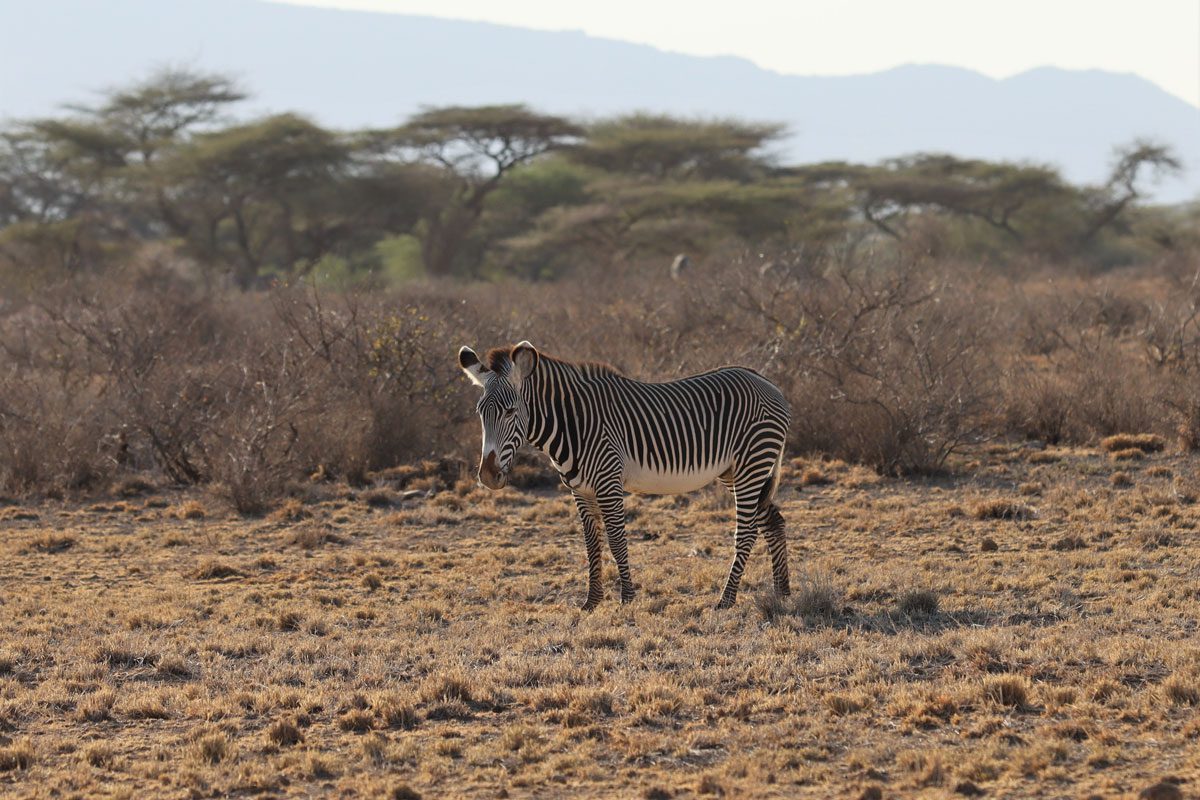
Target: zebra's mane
(499, 359)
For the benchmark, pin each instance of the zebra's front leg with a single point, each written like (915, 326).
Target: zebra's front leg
(744, 538)
(589, 517)
(612, 508)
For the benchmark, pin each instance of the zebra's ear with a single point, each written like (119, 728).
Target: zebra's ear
(470, 365)
(525, 358)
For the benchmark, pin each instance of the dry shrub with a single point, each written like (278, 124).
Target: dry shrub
(887, 364)
(885, 370)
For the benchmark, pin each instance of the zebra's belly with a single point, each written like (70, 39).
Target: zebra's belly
(647, 481)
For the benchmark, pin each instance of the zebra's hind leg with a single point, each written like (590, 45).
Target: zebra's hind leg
(590, 518)
(612, 507)
(745, 500)
(771, 522)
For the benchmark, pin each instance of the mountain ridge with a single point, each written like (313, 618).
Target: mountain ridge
(349, 69)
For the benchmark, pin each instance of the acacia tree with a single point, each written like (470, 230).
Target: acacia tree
(663, 147)
(993, 193)
(1122, 190)
(477, 148)
(261, 194)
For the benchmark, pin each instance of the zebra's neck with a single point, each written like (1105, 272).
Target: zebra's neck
(546, 393)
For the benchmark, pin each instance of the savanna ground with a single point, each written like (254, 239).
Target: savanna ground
(1025, 627)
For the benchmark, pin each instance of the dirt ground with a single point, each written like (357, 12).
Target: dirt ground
(1025, 627)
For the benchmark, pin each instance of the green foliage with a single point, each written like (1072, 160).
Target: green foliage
(665, 147)
(504, 190)
(400, 259)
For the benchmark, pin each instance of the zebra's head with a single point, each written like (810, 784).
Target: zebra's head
(502, 410)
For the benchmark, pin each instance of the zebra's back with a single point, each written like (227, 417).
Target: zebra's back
(681, 435)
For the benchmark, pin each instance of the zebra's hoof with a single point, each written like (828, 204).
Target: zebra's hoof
(627, 598)
(589, 606)
(724, 604)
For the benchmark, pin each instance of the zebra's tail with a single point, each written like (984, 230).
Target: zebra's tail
(766, 500)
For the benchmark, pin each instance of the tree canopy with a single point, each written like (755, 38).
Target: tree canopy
(501, 190)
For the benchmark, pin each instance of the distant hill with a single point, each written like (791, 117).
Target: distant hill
(352, 68)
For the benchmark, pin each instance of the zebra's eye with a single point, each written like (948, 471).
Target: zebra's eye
(508, 412)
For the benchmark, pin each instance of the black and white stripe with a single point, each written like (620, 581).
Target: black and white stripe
(606, 433)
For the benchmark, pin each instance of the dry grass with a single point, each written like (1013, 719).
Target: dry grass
(999, 508)
(1146, 442)
(439, 645)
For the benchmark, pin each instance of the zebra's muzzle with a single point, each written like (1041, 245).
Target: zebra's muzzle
(490, 474)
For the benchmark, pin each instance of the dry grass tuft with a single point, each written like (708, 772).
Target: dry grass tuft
(96, 707)
(814, 597)
(1128, 454)
(814, 477)
(211, 747)
(18, 755)
(311, 535)
(100, 755)
(190, 509)
(1181, 690)
(1043, 457)
(843, 703)
(380, 497)
(1121, 480)
(290, 621)
(291, 510)
(999, 508)
(285, 733)
(356, 720)
(133, 487)
(1011, 691)
(988, 545)
(51, 542)
(212, 569)
(1068, 542)
(394, 712)
(1146, 442)
(918, 602)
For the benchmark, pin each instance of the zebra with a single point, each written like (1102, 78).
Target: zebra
(605, 433)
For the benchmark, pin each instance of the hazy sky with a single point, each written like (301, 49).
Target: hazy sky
(1156, 39)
